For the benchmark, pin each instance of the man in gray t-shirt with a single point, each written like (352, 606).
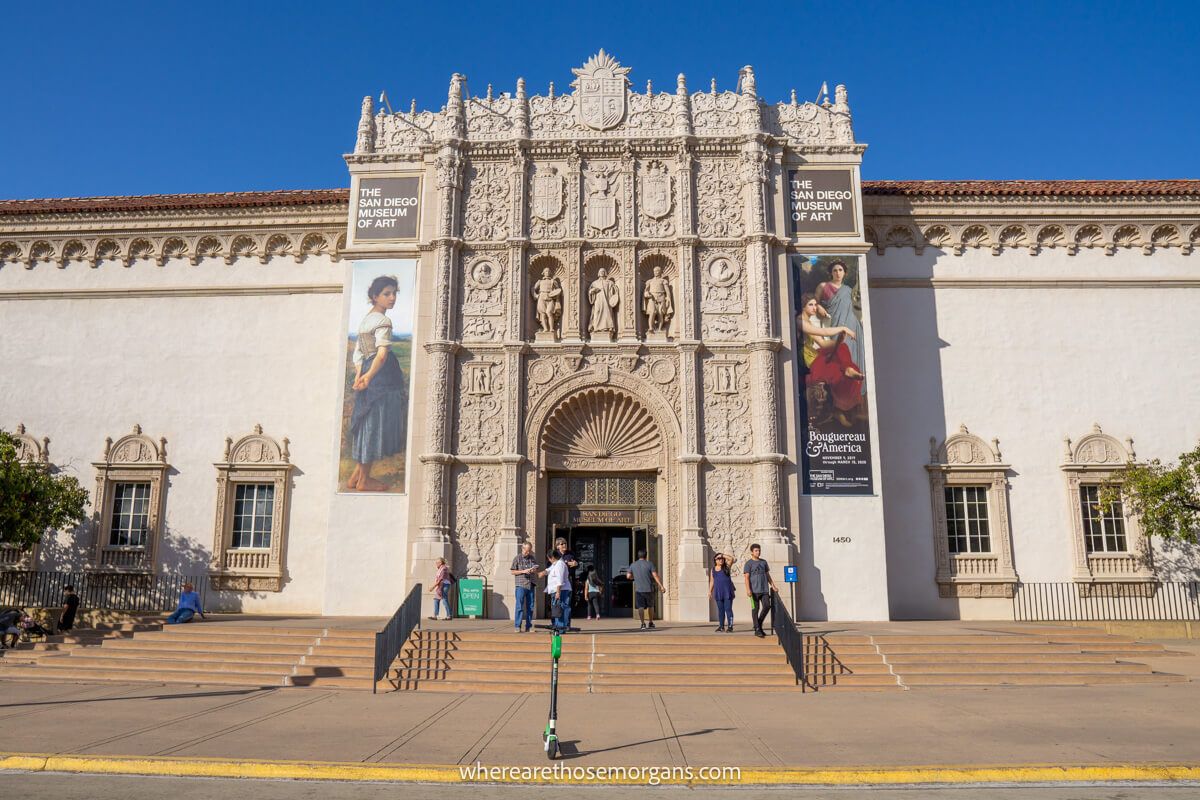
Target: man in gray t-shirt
(644, 577)
(759, 586)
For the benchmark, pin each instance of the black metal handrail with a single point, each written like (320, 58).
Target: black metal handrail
(790, 638)
(390, 640)
(110, 591)
(1161, 601)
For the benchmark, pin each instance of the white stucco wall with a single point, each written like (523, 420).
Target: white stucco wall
(1029, 365)
(193, 369)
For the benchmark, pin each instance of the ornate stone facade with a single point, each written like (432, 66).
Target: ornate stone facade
(603, 282)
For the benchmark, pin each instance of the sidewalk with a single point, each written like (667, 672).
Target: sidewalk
(1096, 725)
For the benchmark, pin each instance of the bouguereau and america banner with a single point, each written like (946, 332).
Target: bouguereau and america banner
(834, 427)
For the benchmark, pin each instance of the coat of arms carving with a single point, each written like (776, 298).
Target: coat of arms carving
(656, 191)
(601, 204)
(600, 92)
(547, 194)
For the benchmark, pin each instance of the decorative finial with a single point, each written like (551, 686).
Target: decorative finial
(933, 450)
(746, 78)
(20, 428)
(962, 428)
(1129, 447)
(649, 88)
(258, 429)
(228, 447)
(1096, 428)
(713, 86)
(137, 429)
(162, 448)
(489, 93)
(681, 84)
(996, 450)
(551, 93)
(842, 102)
(1067, 446)
(793, 97)
(412, 108)
(520, 88)
(286, 454)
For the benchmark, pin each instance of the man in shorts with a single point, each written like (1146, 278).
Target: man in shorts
(644, 577)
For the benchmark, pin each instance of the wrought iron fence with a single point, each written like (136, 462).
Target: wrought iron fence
(789, 636)
(390, 640)
(1082, 602)
(115, 591)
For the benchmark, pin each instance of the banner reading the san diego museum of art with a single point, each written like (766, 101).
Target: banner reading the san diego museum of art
(832, 365)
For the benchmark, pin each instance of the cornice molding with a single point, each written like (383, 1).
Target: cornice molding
(169, 291)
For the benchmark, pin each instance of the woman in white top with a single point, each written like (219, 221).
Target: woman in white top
(379, 421)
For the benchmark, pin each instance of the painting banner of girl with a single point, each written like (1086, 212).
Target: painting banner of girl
(832, 362)
(375, 399)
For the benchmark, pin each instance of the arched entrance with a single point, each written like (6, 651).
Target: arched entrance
(604, 476)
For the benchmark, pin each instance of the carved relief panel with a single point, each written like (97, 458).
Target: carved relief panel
(477, 498)
(719, 199)
(548, 201)
(722, 296)
(602, 207)
(480, 428)
(483, 308)
(656, 201)
(486, 202)
(729, 512)
(727, 428)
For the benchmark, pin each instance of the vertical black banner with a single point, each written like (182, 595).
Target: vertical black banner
(835, 434)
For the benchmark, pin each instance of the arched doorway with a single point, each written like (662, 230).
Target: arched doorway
(604, 476)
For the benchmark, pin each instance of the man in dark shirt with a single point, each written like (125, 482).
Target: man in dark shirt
(759, 586)
(66, 620)
(644, 576)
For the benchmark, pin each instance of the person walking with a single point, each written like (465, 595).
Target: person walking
(645, 577)
(441, 589)
(9, 626)
(66, 619)
(721, 590)
(525, 570)
(189, 606)
(559, 590)
(760, 585)
(595, 588)
(569, 564)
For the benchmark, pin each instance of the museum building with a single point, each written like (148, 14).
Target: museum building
(674, 321)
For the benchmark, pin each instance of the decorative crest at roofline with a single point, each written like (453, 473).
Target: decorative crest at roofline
(605, 105)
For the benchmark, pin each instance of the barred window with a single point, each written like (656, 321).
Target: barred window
(1103, 527)
(130, 515)
(967, 519)
(253, 515)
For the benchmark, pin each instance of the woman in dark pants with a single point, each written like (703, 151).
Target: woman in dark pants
(720, 589)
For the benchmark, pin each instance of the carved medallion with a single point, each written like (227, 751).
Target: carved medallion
(656, 191)
(547, 194)
(600, 92)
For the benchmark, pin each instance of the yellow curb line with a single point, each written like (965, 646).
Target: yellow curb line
(434, 773)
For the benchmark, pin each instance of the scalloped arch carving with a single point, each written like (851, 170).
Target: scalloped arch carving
(602, 428)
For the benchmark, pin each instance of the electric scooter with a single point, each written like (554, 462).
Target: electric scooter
(550, 735)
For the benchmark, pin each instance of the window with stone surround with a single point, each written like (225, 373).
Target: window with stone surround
(30, 450)
(250, 536)
(968, 486)
(130, 493)
(1106, 543)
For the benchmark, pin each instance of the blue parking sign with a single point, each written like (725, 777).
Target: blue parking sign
(789, 574)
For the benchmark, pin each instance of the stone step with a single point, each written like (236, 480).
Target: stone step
(464, 687)
(128, 654)
(883, 679)
(1038, 679)
(542, 649)
(835, 640)
(258, 631)
(770, 657)
(583, 665)
(334, 671)
(319, 660)
(207, 638)
(203, 665)
(43, 672)
(996, 658)
(197, 647)
(1111, 668)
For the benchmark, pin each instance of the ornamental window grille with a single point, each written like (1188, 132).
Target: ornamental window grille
(130, 515)
(967, 519)
(602, 491)
(253, 514)
(1103, 524)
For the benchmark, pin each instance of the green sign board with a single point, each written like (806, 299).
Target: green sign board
(470, 597)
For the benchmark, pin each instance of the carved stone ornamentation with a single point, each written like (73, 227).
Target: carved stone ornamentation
(718, 200)
(658, 303)
(729, 513)
(486, 202)
(604, 297)
(655, 202)
(547, 204)
(603, 187)
(547, 294)
(480, 426)
(602, 428)
(600, 86)
(727, 426)
(477, 503)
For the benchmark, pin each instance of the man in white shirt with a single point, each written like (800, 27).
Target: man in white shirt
(558, 586)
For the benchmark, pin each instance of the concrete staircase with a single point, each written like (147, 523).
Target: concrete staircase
(651, 661)
(241, 655)
(1025, 657)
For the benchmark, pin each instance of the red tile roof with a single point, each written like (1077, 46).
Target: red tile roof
(175, 202)
(1189, 188)
(312, 197)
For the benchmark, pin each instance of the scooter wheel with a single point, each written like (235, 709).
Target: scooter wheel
(552, 748)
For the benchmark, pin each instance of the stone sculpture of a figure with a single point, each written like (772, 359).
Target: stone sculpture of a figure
(549, 295)
(657, 302)
(605, 296)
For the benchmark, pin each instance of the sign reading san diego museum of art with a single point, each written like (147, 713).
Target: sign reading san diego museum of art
(387, 209)
(821, 201)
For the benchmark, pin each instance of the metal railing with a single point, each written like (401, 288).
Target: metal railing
(790, 638)
(1100, 602)
(114, 591)
(390, 640)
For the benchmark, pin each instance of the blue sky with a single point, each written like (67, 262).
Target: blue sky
(139, 97)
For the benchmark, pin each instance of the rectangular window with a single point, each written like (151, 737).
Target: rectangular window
(253, 513)
(967, 519)
(130, 515)
(1103, 528)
